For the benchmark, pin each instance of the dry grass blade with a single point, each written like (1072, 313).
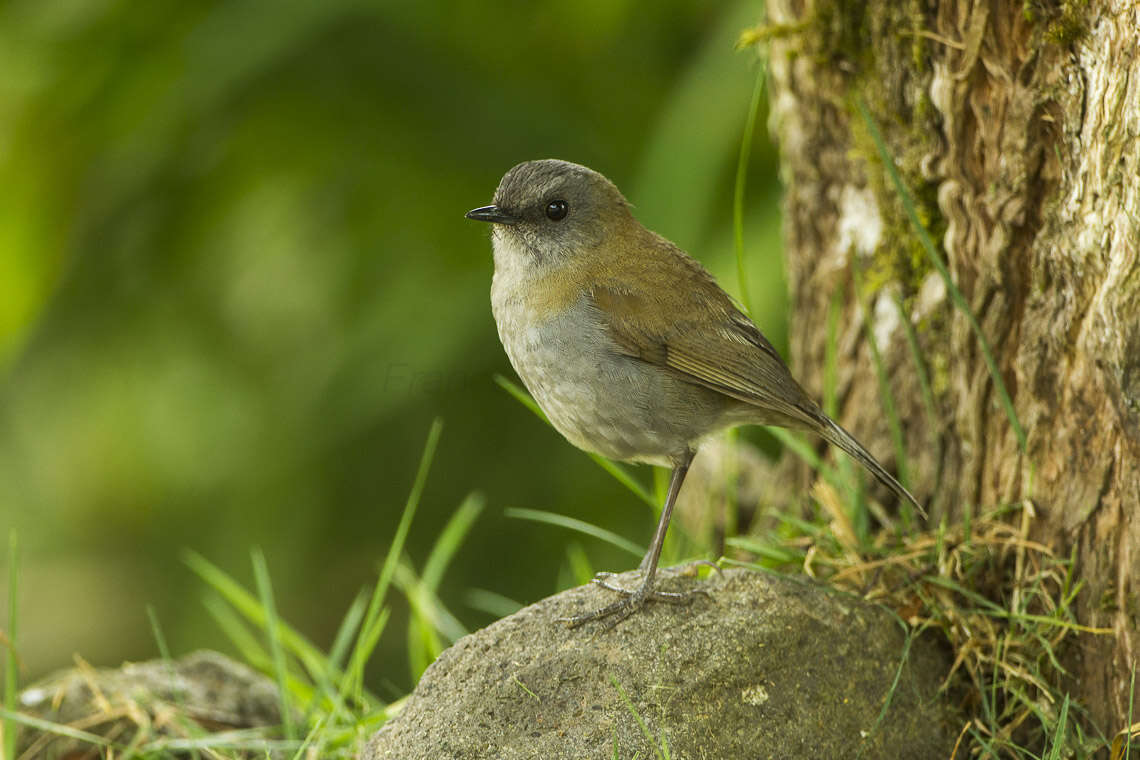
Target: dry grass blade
(1002, 601)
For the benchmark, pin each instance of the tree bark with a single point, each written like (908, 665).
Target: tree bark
(1016, 127)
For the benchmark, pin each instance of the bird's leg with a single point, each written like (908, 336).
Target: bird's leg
(633, 600)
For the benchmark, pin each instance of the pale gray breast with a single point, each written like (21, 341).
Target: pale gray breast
(599, 398)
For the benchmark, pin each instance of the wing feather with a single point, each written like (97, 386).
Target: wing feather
(678, 318)
(694, 329)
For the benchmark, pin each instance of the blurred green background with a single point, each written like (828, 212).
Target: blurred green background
(236, 286)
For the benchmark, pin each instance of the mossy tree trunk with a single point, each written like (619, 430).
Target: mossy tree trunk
(1016, 126)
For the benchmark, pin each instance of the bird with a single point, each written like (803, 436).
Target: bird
(628, 344)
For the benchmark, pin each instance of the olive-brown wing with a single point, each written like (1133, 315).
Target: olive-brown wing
(704, 338)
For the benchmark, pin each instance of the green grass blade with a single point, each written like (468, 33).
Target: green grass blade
(1059, 737)
(365, 643)
(621, 475)
(423, 642)
(800, 448)
(313, 659)
(47, 727)
(237, 632)
(426, 604)
(159, 636)
(248, 645)
(578, 565)
(995, 610)
(11, 662)
(581, 526)
(920, 369)
(857, 505)
(637, 717)
(316, 731)
(184, 723)
(817, 530)
(932, 254)
(796, 444)
(450, 539)
(738, 190)
(272, 630)
(348, 627)
(894, 425)
(240, 740)
(894, 686)
(730, 482)
(429, 618)
(522, 397)
(370, 633)
(618, 472)
(490, 602)
(1129, 724)
(774, 553)
(831, 358)
(337, 654)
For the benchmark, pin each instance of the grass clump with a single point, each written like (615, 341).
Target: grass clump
(322, 710)
(1002, 602)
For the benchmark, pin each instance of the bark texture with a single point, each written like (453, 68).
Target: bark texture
(1016, 126)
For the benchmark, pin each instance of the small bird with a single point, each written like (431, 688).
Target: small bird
(627, 343)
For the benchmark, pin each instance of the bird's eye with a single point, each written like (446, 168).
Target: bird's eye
(557, 210)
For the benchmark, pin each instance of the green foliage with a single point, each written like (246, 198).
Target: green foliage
(660, 746)
(580, 526)
(269, 607)
(1065, 22)
(746, 141)
(236, 282)
(11, 640)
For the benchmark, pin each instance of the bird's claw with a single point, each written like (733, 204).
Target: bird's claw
(630, 602)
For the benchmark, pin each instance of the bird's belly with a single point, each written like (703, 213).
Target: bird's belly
(597, 404)
(602, 400)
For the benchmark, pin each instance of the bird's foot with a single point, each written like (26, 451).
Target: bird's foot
(630, 602)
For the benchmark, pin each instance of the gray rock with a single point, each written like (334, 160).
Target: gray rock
(147, 700)
(761, 666)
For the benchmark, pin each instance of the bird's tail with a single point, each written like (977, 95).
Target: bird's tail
(833, 433)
